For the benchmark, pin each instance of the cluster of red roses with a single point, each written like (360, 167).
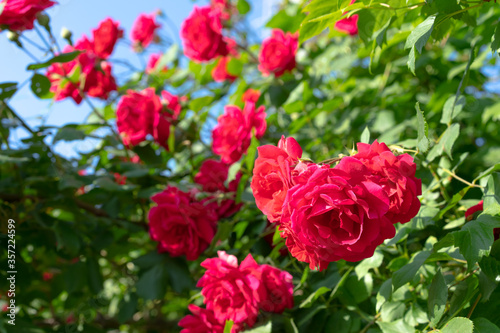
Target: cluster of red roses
(184, 223)
(143, 113)
(236, 293)
(20, 15)
(344, 212)
(89, 73)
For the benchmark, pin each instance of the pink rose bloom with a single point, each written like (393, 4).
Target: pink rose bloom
(153, 60)
(349, 24)
(278, 289)
(251, 95)
(202, 321)
(232, 292)
(272, 176)
(105, 37)
(136, 115)
(220, 72)
(224, 8)
(277, 55)
(20, 15)
(181, 225)
(233, 133)
(396, 175)
(144, 30)
(337, 214)
(201, 35)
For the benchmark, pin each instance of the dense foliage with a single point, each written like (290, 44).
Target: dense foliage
(172, 219)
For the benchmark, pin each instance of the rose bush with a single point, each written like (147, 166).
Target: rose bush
(270, 176)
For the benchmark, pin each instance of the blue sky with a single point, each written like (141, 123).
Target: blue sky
(80, 17)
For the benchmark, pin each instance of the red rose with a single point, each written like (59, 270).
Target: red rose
(119, 179)
(47, 276)
(136, 115)
(233, 133)
(349, 24)
(396, 175)
(105, 37)
(19, 15)
(181, 225)
(163, 119)
(220, 72)
(231, 292)
(212, 176)
(272, 176)
(278, 53)
(99, 82)
(278, 289)
(172, 104)
(151, 65)
(337, 214)
(202, 321)
(59, 85)
(143, 30)
(469, 213)
(201, 35)
(251, 95)
(224, 8)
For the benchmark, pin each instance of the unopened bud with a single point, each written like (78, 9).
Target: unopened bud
(12, 36)
(65, 33)
(43, 20)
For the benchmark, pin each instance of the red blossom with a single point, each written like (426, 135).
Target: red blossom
(277, 55)
(20, 15)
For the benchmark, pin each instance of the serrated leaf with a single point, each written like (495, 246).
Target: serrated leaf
(459, 325)
(452, 108)
(491, 197)
(364, 266)
(483, 325)
(313, 297)
(438, 295)
(419, 36)
(407, 272)
(398, 326)
(153, 283)
(422, 128)
(476, 237)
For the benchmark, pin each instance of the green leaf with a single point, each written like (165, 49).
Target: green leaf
(7, 89)
(313, 297)
(153, 283)
(235, 66)
(69, 133)
(228, 326)
(438, 295)
(495, 43)
(446, 143)
(180, 278)
(94, 275)
(285, 21)
(252, 151)
(67, 238)
(419, 36)
(411, 60)
(491, 267)
(422, 128)
(61, 58)
(492, 195)
(199, 103)
(243, 7)
(452, 108)
(364, 266)
(458, 325)
(262, 329)
(483, 325)
(476, 237)
(127, 307)
(9, 159)
(398, 326)
(365, 136)
(407, 272)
